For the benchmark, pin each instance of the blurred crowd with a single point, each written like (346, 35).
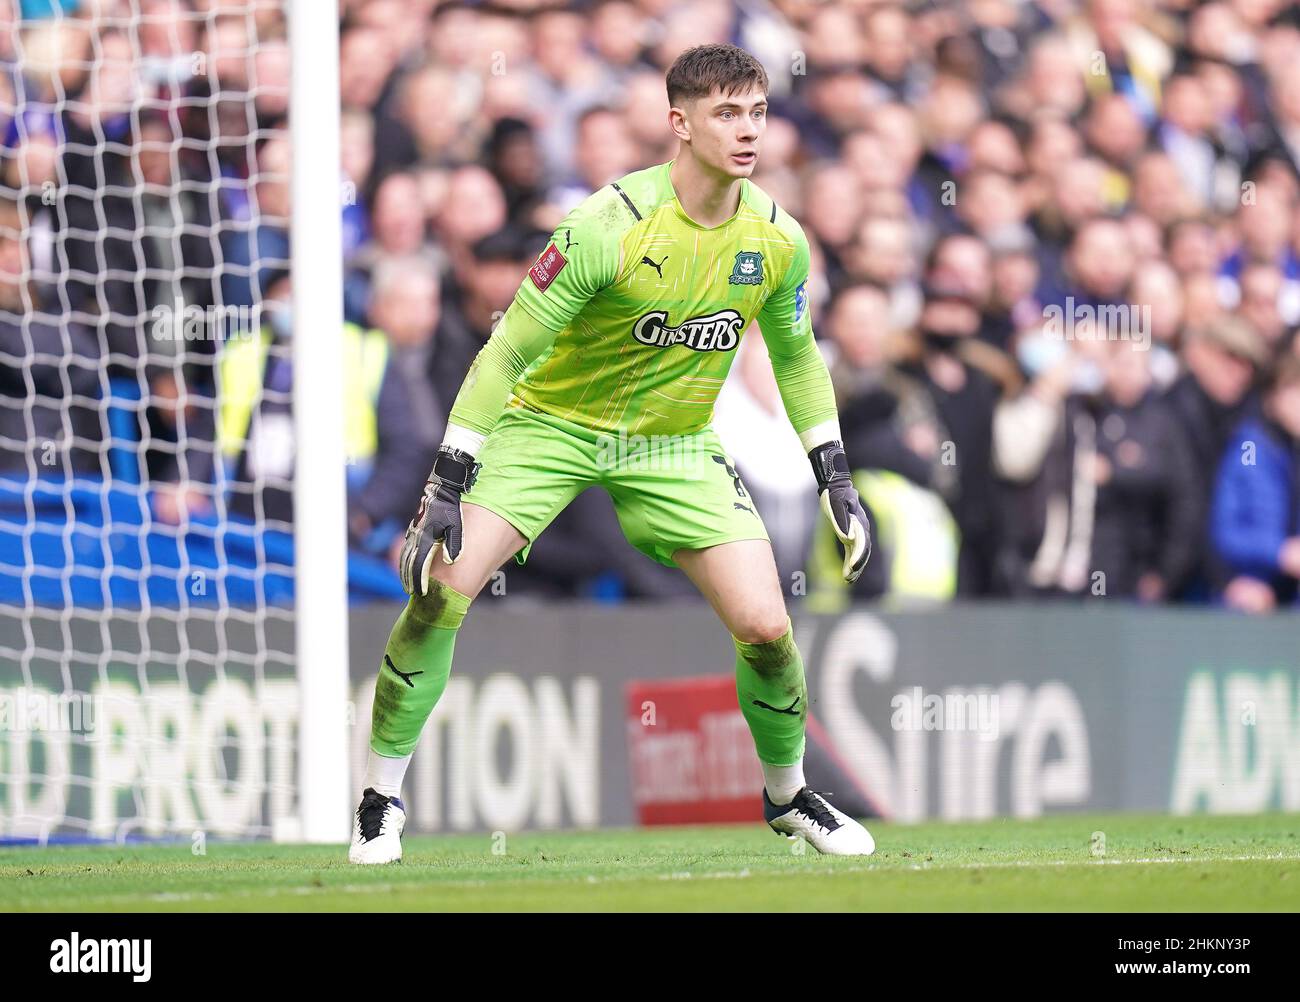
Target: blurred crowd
(1055, 245)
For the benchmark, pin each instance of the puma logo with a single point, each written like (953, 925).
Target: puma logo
(568, 239)
(405, 676)
(776, 709)
(657, 267)
(737, 504)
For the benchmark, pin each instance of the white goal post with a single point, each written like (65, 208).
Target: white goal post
(320, 501)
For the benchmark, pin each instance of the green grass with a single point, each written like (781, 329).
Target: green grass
(1150, 864)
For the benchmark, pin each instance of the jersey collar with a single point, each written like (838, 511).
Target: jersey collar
(681, 213)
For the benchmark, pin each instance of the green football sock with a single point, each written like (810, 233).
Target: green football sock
(416, 665)
(773, 697)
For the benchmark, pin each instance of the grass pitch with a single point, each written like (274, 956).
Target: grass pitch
(1061, 863)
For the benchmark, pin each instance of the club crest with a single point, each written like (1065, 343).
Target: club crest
(748, 269)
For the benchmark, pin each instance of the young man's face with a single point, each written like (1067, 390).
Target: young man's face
(724, 130)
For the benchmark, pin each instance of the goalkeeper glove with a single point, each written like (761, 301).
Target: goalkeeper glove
(842, 506)
(438, 518)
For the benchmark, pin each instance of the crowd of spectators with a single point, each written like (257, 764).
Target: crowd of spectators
(1055, 244)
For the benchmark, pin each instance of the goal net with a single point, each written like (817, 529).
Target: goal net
(147, 674)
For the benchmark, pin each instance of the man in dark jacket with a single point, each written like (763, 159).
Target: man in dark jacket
(50, 374)
(964, 397)
(1208, 401)
(1110, 507)
(1149, 514)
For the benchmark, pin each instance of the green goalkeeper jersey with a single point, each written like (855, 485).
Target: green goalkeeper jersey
(632, 315)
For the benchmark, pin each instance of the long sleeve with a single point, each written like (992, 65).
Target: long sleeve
(581, 259)
(518, 339)
(801, 374)
(1024, 428)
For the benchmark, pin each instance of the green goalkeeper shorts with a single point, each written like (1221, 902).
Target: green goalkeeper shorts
(669, 491)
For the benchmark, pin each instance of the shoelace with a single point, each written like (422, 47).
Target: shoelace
(370, 815)
(814, 806)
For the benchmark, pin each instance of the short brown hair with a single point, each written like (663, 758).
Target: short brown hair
(699, 71)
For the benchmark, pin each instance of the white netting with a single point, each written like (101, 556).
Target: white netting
(146, 675)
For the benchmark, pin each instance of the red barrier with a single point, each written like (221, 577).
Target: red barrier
(692, 758)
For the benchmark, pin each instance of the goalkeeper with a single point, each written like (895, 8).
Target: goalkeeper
(626, 326)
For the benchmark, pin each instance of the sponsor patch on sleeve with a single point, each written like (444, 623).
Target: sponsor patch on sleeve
(800, 300)
(550, 264)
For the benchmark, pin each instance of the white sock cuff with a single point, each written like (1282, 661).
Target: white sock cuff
(783, 781)
(384, 775)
